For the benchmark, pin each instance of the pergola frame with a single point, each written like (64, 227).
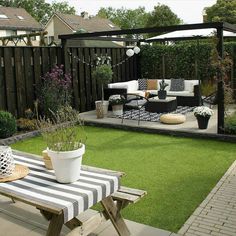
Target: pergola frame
(219, 26)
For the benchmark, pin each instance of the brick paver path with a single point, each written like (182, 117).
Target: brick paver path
(216, 215)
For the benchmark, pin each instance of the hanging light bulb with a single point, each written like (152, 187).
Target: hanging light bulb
(136, 50)
(130, 52)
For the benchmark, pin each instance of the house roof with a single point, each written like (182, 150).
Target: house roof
(90, 24)
(17, 19)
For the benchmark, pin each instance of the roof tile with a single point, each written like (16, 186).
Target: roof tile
(14, 19)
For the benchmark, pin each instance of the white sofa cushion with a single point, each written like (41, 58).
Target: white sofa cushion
(129, 85)
(180, 93)
(139, 92)
(189, 85)
(132, 87)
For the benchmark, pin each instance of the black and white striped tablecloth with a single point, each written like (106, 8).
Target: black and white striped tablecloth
(41, 186)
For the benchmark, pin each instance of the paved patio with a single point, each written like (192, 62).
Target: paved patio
(190, 126)
(216, 215)
(23, 220)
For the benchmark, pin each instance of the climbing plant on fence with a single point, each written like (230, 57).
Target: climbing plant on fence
(180, 60)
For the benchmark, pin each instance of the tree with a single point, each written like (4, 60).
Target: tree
(39, 9)
(223, 10)
(125, 18)
(162, 16)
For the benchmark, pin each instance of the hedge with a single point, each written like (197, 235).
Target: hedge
(180, 60)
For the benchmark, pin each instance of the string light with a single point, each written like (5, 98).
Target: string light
(107, 59)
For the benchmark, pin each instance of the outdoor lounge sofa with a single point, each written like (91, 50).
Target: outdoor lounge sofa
(189, 96)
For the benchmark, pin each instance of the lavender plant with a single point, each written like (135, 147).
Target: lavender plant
(63, 131)
(55, 91)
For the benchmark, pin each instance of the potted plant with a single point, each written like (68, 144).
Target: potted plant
(162, 92)
(64, 136)
(117, 101)
(103, 74)
(203, 114)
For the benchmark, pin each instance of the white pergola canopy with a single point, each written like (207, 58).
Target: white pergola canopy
(189, 34)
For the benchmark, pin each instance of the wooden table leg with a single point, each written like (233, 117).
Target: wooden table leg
(115, 216)
(55, 225)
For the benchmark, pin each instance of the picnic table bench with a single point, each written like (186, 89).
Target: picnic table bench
(70, 204)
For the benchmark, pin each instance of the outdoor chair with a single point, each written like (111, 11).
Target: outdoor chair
(210, 100)
(134, 102)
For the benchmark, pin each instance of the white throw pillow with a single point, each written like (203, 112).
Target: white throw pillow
(129, 85)
(118, 85)
(132, 85)
(189, 85)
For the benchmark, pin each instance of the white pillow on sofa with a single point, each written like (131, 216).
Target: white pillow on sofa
(118, 86)
(129, 85)
(189, 85)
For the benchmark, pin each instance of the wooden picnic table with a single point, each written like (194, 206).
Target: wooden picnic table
(62, 203)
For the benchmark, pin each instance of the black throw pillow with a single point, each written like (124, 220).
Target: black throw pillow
(177, 85)
(142, 84)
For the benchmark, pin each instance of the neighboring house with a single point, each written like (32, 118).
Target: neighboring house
(60, 24)
(17, 21)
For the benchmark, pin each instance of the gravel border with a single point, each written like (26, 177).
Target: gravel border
(19, 137)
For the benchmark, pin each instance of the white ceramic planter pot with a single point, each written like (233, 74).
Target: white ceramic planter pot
(117, 110)
(67, 164)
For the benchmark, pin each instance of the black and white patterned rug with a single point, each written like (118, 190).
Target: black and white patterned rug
(151, 116)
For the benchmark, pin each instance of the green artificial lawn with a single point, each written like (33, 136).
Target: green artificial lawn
(177, 173)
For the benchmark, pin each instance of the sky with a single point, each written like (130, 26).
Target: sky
(190, 11)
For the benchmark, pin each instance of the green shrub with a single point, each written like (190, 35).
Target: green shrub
(7, 124)
(180, 60)
(230, 124)
(24, 124)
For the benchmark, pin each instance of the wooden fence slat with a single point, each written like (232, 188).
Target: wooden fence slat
(131, 71)
(87, 79)
(123, 72)
(52, 56)
(118, 59)
(59, 55)
(45, 60)
(81, 80)
(135, 74)
(114, 62)
(37, 66)
(99, 91)
(93, 81)
(3, 105)
(20, 82)
(74, 74)
(127, 69)
(10, 81)
(29, 79)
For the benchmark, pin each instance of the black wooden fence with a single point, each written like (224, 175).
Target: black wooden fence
(22, 67)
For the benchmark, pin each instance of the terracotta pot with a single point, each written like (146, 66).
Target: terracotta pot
(47, 160)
